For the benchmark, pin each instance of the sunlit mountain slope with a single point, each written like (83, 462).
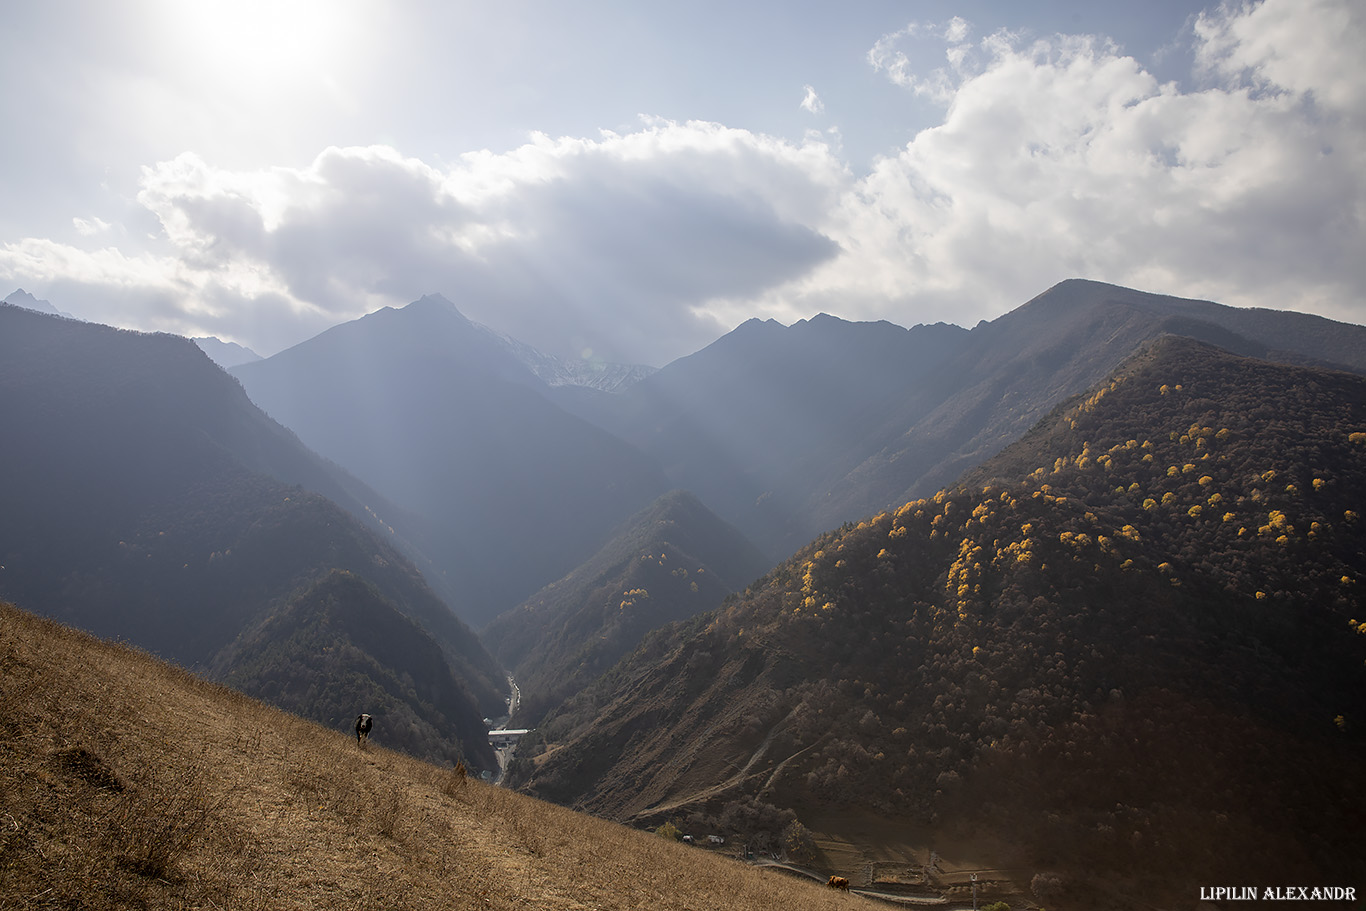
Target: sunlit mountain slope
(129, 783)
(1128, 648)
(669, 562)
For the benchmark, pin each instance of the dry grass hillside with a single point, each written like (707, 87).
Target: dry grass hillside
(129, 783)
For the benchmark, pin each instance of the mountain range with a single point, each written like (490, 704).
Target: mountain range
(846, 571)
(789, 431)
(782, 431)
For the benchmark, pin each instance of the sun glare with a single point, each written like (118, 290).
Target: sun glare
(263, 44)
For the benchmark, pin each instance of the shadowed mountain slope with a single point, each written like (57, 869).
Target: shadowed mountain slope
(509, 491)
(339, 645)
(669, 562)
(759, 420)
(86, 379)
(145, 497)
(1130, 647)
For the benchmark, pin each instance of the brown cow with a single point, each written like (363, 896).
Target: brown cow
(838, 882)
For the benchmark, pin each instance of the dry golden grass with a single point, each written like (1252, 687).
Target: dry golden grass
(130, 783)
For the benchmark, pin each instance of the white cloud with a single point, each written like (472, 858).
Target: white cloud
(888, 55)
(88, 227)
(812, 102)
(956, 31)
(1308, 48)
(1062, 157)
(616, 243)
(884, 56)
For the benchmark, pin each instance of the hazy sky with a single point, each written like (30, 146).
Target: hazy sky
(636, 178)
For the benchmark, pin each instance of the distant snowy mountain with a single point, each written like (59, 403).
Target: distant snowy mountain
(558, 371)
(225, 354)
(22, 298)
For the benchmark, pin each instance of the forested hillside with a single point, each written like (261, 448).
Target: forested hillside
(1130, 645)
(340, 646)
(669, 562)
(144, 497)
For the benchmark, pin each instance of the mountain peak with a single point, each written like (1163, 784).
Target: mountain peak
(429, 326)
(225, 354)
(750, 328)
(21, 298)
(436, 306)
(433, 301)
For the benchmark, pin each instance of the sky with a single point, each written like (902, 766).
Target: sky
(630, 180)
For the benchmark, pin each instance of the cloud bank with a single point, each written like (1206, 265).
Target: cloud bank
(1056, 157)
(615, 244)
(1062, 157)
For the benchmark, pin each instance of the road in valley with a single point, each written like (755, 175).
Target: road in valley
(505, 752)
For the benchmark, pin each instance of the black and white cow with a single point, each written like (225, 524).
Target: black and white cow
(363, 725)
